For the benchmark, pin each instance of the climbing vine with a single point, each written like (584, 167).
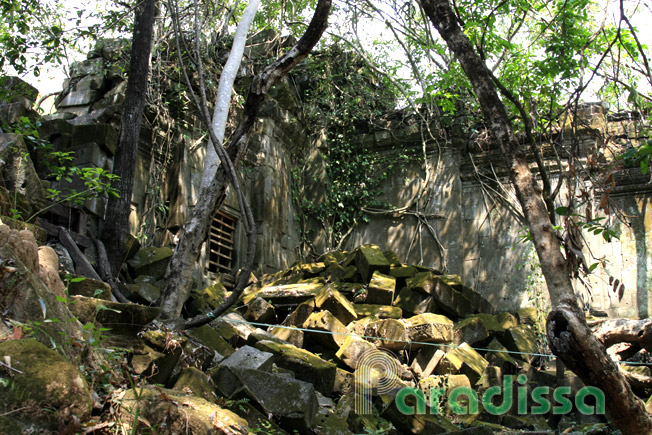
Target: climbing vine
(348, 100)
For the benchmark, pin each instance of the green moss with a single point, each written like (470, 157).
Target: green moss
(47, 379)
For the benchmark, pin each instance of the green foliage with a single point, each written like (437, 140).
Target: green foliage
(349, 100)
(594, 226)
(640, 155)
(97, 182)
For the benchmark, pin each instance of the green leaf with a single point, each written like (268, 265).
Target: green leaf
(562, 211)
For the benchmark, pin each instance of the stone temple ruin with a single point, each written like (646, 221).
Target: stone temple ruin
(446, 303)
(468, 234)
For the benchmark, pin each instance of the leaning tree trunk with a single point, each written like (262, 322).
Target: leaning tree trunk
(118, 209)
(569, 337)
(177, 277)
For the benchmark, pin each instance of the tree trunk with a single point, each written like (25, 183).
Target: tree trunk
(124, 162)
(177, 277)
(225, 89)
(569, 336)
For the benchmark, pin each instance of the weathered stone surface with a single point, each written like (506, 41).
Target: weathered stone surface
(465, 360)
(233, 327)
(389, 333)
(18, 174)
(288, 334)
(370, 258)
(414, 301)
(521, 339)
(358, 326)
(527, 315)
(206, 299)
(426, 360)
(80, 97)
(449, 301)
(194, 382)
(294, 402)
(154, 365)
(104, 135)
(448, 383)
(392, 258)
(87, 67)
(500, 357)
(260, 311)
(329, 421)
(25, 298)
(45, 379)
(173, 412)
(91, 288)
(478, 302)
(332, 300)
(506, 320)
(212, 339)
(343, 382)
(477, 328)
(429, 328)
(333, 332)
(128, 318)
(248, 357)
(92, 155)
(142, 293)
(379, 311)
(49, 270)
(381, 289)
(151, 261)
(337, 273)
(333, 257)
(403, 272)
(416, 423)
(306, 365)
(286, 293)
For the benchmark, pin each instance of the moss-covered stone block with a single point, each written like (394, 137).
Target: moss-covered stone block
(333, 257)
(142, 293)
(151, 261)
(522, 340)
(381, 289)
(506, 320)
(194, 382)
(477, 328)
(42, 379)
(379, 311)
(128, 318)
(332, 300)
(429, 328)
(285, 293)
(332, 332)
(465, 360)
(353, 349)
(402, 271)
(173, 412)
(260, 311)
(90, 287)
(527, 315)
(212, 339)
(370, 258)
(414, 301)
(388, 333)
(306, 365)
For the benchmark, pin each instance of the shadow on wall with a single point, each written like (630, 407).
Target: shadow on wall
(641, 226)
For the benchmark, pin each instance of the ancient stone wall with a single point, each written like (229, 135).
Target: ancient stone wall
(468, 223)
(463, 217)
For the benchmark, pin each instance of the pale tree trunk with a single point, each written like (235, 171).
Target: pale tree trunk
(569, 336)
(118, 209)
(177, 277)
(225, 89)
